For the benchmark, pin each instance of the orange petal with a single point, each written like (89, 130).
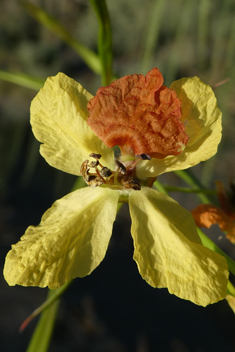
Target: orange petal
(206, 215)
(140, 115)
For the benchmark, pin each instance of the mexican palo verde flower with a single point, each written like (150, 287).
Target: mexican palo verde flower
(157, 130)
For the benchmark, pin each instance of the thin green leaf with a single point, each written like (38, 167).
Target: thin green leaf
(22, 80)
(231, 289)
(221, 30)
(42, 334)
(159, 186)
(189, 190)
(229, 57)
(184, 22)
(192, 181)
(52, 297)
(104, 40)
(150, 37)
(203, 31)
(89, 57)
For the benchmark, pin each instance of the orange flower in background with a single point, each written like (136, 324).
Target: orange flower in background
(206, 215)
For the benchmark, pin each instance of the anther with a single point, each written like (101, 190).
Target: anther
(105, 172)
(94, 163)
(95, 156)
(91, 178)
(144, 156)
(131, 183)
(84, 167)
(135, 180)
(120, 166)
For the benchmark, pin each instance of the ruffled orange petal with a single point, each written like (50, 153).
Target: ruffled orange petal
(140, 115)
(206, 215)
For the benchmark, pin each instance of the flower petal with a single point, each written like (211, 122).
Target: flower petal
(58, 118)
(206, 215)
(202, 119)
(140, 115)
(168, 253)
(70, 241)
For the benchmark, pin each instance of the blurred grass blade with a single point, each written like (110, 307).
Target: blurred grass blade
(89, 57)
(207, 242)
(22, 80)
(52, 297)
(104, 40)
(188, 190)
(175, 56)
(151, 35)
(42, 334)
(221, 31)
(231, 289)
(229, 57)
(31, 162)
(208, 171)
(203, 31)
(160, 187)
(192, 181)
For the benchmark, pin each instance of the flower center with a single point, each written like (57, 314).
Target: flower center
(124, 177)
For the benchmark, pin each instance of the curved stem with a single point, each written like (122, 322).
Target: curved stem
(192, 181)
(104, 40)
(189, 190)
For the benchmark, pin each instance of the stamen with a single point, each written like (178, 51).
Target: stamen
(123, 177)
(131, 182)
(120, 166)
(95, 156)
(105, 172)
(144, 156)
(94, 163)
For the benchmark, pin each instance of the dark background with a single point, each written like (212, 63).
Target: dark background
(113, 309)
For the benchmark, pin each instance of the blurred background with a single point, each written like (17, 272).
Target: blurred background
(112, 310)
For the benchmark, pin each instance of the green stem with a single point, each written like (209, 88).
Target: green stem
(159, 186)
(52, 297)
(150, 37)
(231, 289)
(203, 31)
(104, 40)
(42, 334)
(22, 80)
(192, 181)
(189, 190)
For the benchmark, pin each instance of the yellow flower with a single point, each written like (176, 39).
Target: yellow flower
(74, 233)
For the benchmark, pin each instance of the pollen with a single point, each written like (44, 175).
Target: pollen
(95, 174)
(140, 115)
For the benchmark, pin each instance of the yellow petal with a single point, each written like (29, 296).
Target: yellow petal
(58, 119)
(70, 241)
(168, 253)
(202, 119)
